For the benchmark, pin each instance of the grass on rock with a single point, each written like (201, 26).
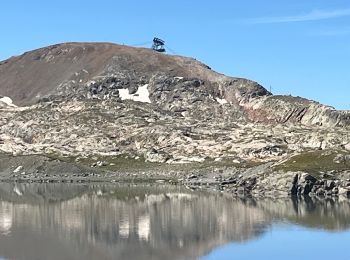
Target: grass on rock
(315, 162)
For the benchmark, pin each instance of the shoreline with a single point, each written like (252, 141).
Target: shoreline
(258, 181)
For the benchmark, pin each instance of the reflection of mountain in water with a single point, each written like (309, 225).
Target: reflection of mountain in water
(40, 193)
(108, 222)
(329, 214)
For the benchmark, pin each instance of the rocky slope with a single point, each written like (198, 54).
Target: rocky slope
(96, 102)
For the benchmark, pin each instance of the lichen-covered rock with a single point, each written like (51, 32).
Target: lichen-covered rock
(108, 99)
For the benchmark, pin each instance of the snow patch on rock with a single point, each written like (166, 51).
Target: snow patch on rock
(19, 168)
(221, 101)
(7, 101)
(184, 160)
(142, 94)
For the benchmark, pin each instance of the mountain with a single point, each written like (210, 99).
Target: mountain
(97, 103)
(70, 69)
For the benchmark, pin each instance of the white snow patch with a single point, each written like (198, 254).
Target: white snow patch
(142, 94)
(221, 101)
(7, 101)
(178, 77)
(18, 169)
(195, 159)
(183, 160)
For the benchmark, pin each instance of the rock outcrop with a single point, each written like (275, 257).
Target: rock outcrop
(98, 99)
(100, 70)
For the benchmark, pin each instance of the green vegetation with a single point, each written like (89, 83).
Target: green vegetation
(109, 163)
(315, 162)
(132, 164)
(225, 162)
(119, 162)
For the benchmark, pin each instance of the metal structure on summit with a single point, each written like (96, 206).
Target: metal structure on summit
(158, 45)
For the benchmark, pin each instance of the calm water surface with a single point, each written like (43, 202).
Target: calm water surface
(61, 221)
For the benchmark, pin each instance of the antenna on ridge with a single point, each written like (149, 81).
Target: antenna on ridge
(158, 45)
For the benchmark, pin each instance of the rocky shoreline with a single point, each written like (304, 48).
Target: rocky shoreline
(250, 181)
(269, 185)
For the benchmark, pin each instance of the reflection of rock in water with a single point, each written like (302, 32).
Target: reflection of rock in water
(40, 193)
(105, 222)
(5, 218)
(168, 224)
(311, 212)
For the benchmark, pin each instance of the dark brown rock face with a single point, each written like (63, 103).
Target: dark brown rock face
(41, 72)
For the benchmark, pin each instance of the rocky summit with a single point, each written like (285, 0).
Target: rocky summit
(102, 107)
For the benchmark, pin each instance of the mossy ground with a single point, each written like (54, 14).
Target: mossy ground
(110, 163)
(315, 162)
(126, 163)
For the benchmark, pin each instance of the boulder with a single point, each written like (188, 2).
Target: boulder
(329, 185)
(132, 89)
(347, 146)
(320, 192)
(156, 156)
(344, 192)
(309, 178)
(307, 188)
(342, 158)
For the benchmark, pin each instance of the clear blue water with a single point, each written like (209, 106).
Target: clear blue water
(105, 222)
(286, 242)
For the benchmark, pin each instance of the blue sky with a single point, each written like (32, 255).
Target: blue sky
(297, 47)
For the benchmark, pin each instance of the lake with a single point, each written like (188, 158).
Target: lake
(148, 221)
